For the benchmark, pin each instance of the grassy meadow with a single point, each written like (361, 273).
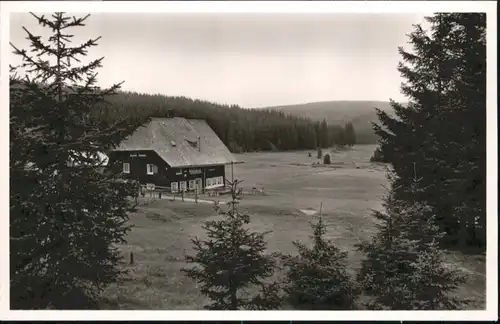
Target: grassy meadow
(292, 188)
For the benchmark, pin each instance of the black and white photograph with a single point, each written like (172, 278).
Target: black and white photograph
(255, 161)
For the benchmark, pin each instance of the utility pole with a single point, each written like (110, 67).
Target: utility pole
(232, 171)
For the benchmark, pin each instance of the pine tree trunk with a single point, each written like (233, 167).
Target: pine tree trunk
(234, 300)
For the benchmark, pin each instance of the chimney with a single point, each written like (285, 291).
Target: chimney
(199, 144)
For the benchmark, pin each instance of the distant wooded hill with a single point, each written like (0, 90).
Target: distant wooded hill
(360, 113)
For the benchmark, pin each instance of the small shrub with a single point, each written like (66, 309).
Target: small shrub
(378, 156)
(326, 159)
(403, 267)
(317, 279)
(231, 260)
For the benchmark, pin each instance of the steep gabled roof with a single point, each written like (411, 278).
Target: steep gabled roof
(180, 142)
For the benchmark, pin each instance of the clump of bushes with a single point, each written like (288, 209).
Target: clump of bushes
(326, 159)
(378, 156)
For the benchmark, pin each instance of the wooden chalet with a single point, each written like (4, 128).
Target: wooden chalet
(174, 153)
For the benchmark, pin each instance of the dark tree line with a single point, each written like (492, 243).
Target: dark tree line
(441, 134)
(242, 130)
(334, 135)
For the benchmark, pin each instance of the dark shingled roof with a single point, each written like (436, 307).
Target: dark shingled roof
(175, 140)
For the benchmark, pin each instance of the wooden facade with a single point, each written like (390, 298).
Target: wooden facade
(176, 154)
(147, 167)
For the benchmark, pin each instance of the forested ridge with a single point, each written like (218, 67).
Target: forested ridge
(360, 113)
(242, 130)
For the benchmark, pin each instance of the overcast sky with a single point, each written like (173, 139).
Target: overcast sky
(252, 60)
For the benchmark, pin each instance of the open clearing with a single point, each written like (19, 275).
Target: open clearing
(293, 190)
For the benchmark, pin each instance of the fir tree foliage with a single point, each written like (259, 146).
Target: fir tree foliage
(323, 134)
(345, 136)
(316, 278)
(349, 135)
(65, 221)
(443, 126)
(404, 268)
(231, 263)
(378, 156)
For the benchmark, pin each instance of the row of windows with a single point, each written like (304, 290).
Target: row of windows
(150, 168)
(181, 185)
(215, 181)
(176, 186)
(153, 169)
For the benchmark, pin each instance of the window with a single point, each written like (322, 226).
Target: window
(173, 186)
(151, 169)
(183, 185)
(220, 180)
(126, 167)
(191, 184)
(209, 182)
(193, 144)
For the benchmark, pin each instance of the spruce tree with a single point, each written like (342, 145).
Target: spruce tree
(65, 221)
(378, 156)
(316, 278)
(350, 134)
(324, 134)
(403, 267)
(341, 137)
(232, 261)
(464, 187)
(442, 128)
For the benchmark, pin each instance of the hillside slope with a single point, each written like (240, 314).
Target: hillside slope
(360, 113)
